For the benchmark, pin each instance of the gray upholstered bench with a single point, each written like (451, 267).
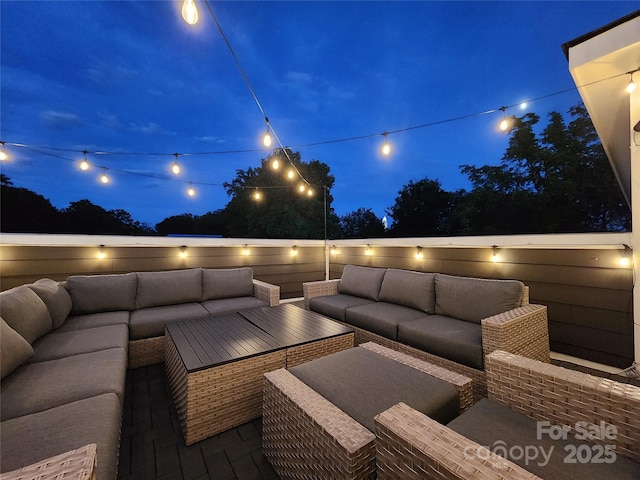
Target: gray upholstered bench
(318, 417)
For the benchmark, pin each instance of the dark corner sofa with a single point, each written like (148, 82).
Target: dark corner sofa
(451, 321)
(65, 348)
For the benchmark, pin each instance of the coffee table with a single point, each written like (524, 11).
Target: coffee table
(215, 365)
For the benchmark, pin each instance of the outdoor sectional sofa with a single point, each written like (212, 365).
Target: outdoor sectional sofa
(450, 321)
(66, 346)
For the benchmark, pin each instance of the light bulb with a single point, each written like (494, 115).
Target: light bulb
(419, 254)
(257, 196)
(190, 12)
(504, 124)
(84, 165)
(104, 178)
(175, 168)
(301, 188)
(245, 250)
(190, 191)
(275, 164)
(294, 251)
(495, 257)
(183, 251)
(266, 140)
(386, 149)
(101, 252)
(291, 174)
(3, 154)
(631, 86)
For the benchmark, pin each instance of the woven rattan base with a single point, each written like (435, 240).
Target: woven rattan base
(213, 400)
(79, 464)
(311, 351)
(148, 351)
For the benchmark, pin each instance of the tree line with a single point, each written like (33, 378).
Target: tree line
(555, 179)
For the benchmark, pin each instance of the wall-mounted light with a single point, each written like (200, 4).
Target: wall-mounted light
(102, 252)
(245, 249)
(625, 256)
(495, 257)
(294, 251)
(419, 254)
(183, 251)
(368, 250)
(333, 250)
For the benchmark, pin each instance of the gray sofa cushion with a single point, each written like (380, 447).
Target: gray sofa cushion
(456, 340)
(25, 312)
(31, 438)
(473, 299)
(55, 297)
(335, 306)
(39, 386)
(381, 317)
(150, 322)
(363, 384)
(411, 289)
(226, 283)
(14, 350)
(102, 293)
(93, 320)
(362, 282)
(64, 344)
(226, 305)
(510, 429)
(168, 288)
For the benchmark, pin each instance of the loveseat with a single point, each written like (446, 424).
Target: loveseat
(451, 321)
(65, 348)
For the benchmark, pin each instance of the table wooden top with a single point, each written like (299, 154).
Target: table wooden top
(219, 339)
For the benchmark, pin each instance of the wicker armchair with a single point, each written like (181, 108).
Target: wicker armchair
(412, 446)
(522, 331)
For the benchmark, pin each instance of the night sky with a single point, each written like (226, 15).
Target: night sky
(132, 78)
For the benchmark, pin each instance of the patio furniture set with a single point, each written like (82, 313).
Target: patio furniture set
(329, 410)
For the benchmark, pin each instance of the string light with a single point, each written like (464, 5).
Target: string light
(386, 148)
(294, 251)
(368, 251)
(183, 251)
(334, 250)
(84, 164)
(275, 164)
(505, 123)
(302, 188)
(625, 256)
(245, 249)
(104, 178)
(190, 12)
(190, 191)
(495, 257)
(266, 140)
(175, 168)
(310, 192)
(257, 195)
(419, 254)
(631, 86)
(102, 252)
(3, 154)
(291, 174)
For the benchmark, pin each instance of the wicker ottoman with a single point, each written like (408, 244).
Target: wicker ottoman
(309, 435)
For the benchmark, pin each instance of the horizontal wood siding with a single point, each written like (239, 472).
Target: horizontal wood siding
(588, 294)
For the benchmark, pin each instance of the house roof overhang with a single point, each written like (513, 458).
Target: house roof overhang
(598, 63)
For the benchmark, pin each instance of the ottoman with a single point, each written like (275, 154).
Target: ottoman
(318, 417)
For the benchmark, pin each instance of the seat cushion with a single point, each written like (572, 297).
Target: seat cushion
(335, 306)
(31, 438)
(512, 432)
(102, 293)
(39, 386)
(362, 282)
(381, 317)
(226, 283)
(55, 297)
(64, 344)
(25, 312)
(150, 322)
(226, 305)
(93, 320)
(363, 384)
(168, 288)
(411, 289)
(446, 337)
(14, 350)
(473, 299)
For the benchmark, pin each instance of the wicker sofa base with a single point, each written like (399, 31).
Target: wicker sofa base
(305, 436)
(78, 464)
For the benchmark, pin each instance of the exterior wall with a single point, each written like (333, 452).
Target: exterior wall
(588, 294)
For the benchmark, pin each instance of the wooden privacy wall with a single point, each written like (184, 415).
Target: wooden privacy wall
(588, 294)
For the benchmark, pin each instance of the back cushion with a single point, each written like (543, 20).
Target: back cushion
(14, 350)
(411, 289)
(473, 299)
(55, 297)
(102, 293)
(23, 310)
(227, 283)
(169, 288)
(361, 281)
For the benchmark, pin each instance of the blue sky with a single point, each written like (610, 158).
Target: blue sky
(133, 77)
